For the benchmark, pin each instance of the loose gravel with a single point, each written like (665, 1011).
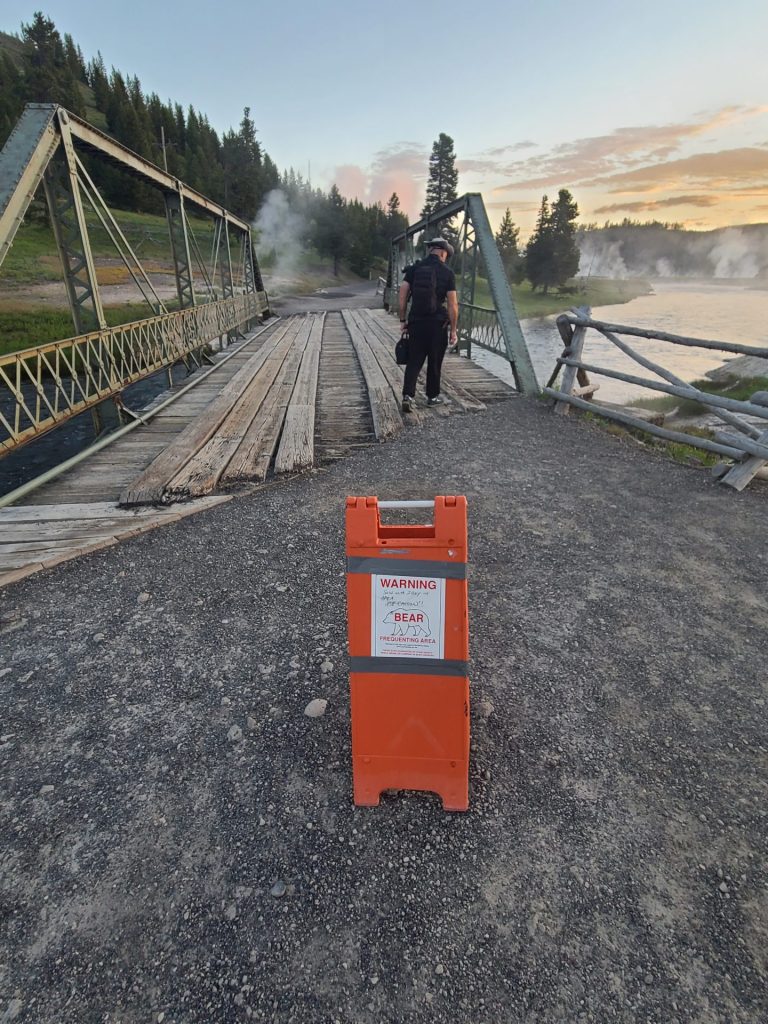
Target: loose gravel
(178, 842)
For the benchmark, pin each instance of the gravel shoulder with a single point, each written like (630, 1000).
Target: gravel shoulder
(178, 842)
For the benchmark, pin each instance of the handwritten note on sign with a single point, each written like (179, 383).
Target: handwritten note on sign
(407, 617)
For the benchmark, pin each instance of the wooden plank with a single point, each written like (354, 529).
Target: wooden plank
(385, 409)
(252, 459)
(587, 389)
(14, 575)
(741, 474)
(297, 443)
(385, 356)
(51, 513)
(57, 549)
(10, 562)
(463, 398)
(69, 529)
(203, 472)
(148, 488)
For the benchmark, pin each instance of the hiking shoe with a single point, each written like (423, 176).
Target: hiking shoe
(408, 403)
(437, 400)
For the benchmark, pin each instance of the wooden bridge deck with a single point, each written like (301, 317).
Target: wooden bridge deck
(302, 391)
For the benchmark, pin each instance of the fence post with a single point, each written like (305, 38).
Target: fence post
(575, 350)
(739, 475)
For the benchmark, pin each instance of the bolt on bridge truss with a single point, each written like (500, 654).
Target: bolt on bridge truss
(42, 386)
(496, 329)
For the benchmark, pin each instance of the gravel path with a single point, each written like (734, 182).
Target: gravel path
(356, 295)
(178, 842)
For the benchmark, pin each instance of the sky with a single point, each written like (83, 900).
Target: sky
(652, 110)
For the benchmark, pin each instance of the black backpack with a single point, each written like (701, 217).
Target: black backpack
(424, 291)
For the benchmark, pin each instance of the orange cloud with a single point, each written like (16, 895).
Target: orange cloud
(712, 170)
(401, 168)
(659, 204)
(603, 158)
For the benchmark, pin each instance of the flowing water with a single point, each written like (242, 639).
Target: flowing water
(694, 309)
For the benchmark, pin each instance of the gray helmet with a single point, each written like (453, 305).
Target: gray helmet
(440, 243)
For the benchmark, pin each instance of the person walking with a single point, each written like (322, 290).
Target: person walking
(433, 318)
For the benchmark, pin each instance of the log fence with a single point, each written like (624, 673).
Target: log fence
(746, 445)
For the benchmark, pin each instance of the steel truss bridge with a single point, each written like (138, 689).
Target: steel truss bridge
(496, 328)
(217, 295)
(43, 386)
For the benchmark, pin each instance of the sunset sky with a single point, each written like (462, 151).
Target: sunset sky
(645, 110)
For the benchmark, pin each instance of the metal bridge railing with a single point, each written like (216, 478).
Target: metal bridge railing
(479, 325)
(43, 386)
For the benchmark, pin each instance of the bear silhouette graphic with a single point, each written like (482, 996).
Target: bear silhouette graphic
(407, 622)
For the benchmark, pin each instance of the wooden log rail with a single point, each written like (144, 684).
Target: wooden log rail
(748, 447)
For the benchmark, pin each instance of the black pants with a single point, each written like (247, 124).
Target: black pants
(428, 339)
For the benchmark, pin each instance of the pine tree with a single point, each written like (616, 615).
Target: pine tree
(331, 234)
(242, 168)
(11, 96)
(566, 251)
(507, 242)
(47, 76)
(539, 253)
(443, 176)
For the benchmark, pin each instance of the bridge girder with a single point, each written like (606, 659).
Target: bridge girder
(476, 240)
(46, 384)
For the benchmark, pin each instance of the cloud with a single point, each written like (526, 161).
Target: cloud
(477, 166)
(598, 159)
(514, 205)
(659, 204)
(351, 181)
(511, 148)
(401, 167)
(719, 170)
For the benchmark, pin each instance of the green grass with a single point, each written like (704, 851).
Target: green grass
(23, 328)
(741, 390)
(593, 292)
(33, 257)
(678, 451)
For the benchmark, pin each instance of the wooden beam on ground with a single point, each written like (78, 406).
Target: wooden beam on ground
(251, 461)
(148, 488)
(458, 394)
(297, 443)
(385, 410)
(36, 537)
(384, 353)
(209, 465)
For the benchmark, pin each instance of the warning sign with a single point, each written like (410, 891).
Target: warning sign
(407, 617)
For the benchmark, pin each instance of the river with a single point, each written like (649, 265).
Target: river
(724, 312)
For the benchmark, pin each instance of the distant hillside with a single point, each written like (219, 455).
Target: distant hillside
(658, 250)
(12, 46)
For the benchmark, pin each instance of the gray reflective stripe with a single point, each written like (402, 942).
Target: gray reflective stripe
(409, 666)
(408, 567)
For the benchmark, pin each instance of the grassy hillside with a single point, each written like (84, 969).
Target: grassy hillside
(33, 257)
(12, 47)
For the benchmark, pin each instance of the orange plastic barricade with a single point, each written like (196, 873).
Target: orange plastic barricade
(409, 651)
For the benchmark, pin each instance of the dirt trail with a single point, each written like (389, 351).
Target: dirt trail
(160, 777)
